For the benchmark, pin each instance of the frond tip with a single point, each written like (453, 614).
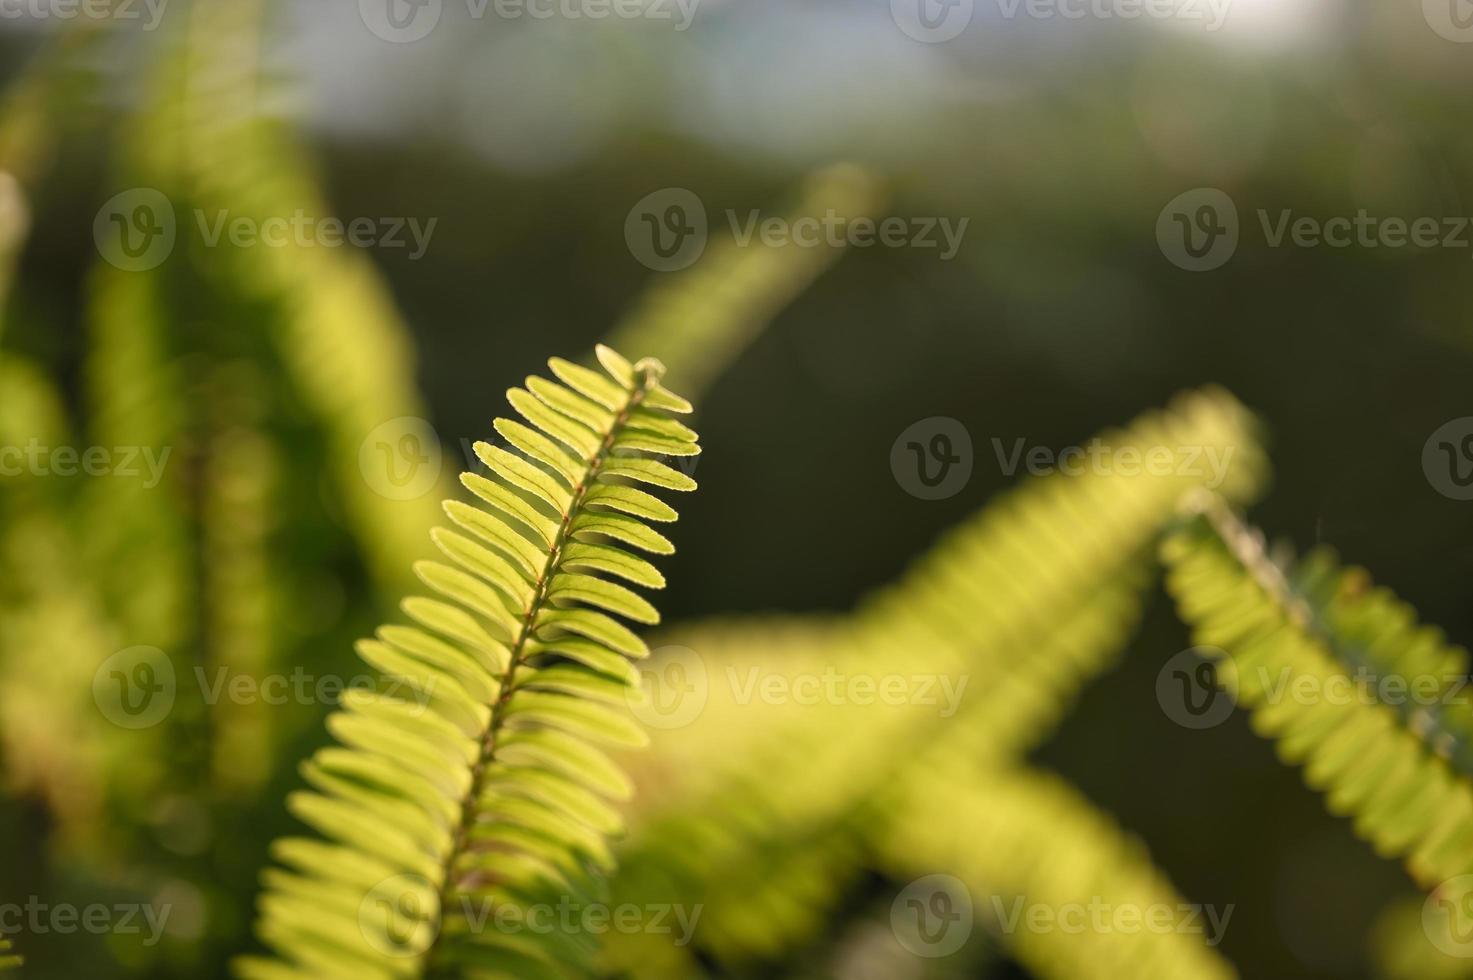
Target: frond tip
(470, 802)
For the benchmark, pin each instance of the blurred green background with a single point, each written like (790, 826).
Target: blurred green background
(1060, 141)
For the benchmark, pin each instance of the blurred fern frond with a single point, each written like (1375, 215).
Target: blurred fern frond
(1019, 840)
(1018, 609)
(8, 961)
(1343, 679)
(476, 783)
(699, 321)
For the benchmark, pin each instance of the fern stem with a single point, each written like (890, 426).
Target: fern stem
(470, 812)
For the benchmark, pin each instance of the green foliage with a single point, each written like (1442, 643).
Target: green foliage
(1018, 608)
(476, 781)
(1020, 839)
(1290, 641)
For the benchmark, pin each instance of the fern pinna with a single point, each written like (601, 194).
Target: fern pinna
(471, 803)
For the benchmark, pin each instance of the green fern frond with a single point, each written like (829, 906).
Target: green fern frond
(1011, 602)
(698, 321)
(1308, 650)
(1019, 839)
(343, 346)
(479, 781)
